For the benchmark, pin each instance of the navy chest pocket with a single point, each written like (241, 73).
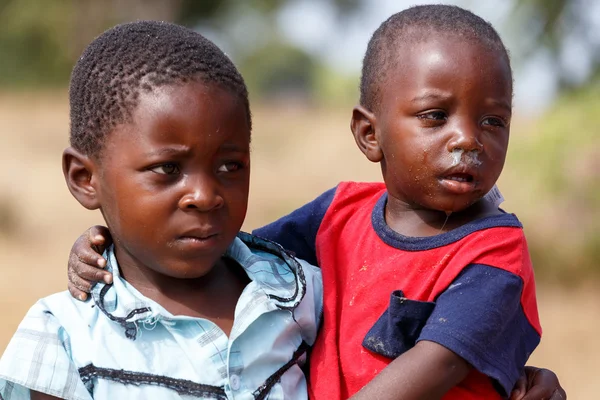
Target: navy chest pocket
(399, 327)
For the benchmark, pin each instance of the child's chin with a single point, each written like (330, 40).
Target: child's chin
(456, 206)
(190, 272)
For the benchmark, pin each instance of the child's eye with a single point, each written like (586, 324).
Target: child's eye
(166, 169)
(229, 167)
(433, 116)
(494, 121)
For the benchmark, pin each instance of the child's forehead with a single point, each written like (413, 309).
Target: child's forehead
(419, 41)
(444, 51)
(184, 116)
(444, 67)
(194, 100)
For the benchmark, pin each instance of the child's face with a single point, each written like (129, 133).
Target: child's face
(173, 184)
(443, 123)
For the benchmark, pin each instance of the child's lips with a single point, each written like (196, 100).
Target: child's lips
(459, 180)
(457, 186)
(459, 177)
(198, 238)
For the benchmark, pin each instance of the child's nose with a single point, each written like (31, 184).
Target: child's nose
(465, 137)
(201, 193)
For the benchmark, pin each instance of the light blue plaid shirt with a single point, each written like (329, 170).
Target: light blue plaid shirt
(123, 345)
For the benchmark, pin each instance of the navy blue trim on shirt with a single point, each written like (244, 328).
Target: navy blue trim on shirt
(409, 243)
(398, 329)
(297, 231)
(481, 318)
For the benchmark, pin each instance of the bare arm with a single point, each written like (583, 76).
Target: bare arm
(427, 371)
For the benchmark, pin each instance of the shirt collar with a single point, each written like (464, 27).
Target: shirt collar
(277, 276)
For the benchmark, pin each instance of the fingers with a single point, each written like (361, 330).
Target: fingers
(99, 238)
(543, 385)
(520, 388)
(78, 287)
(560, 394)
(76, 293)
(82, 277)
(85, 271)
(85, 252)
(89, 247)
(537, 393)
(85, 266)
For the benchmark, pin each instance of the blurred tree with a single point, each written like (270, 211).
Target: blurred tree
(40, 41)
(249, 29)
(278, 70)
(32, 37)
(560, 26)
(558, 162)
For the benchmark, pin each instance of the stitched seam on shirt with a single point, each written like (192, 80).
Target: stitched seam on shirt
(130, 327)
(281, 253)
(264, 389)
(181, 386)
(300, 289)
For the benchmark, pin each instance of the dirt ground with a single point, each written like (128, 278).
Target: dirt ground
(297, 153)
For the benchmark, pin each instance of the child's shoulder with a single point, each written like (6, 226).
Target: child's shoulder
(349, 195)
(359, 189)
(54, 319)
(498, 228)
(496, 240)
(290, 283)
(269, 264)
(38, 355)
(61, 307)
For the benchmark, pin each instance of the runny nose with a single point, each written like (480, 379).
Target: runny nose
(201, 193)
(465, 138)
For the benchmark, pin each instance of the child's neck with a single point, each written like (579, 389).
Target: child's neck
(213, 296)
(408, 220)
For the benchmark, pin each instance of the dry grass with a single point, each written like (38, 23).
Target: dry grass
(298, 153)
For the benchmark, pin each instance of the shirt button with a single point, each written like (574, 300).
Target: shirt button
(234, 381)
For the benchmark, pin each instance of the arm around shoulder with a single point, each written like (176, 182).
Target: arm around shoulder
(297, 231)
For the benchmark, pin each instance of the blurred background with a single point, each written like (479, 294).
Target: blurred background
(301, 60)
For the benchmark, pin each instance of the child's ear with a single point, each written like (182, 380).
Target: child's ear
(363, 128)
(79, 171)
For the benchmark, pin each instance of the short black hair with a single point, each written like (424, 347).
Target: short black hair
(130, 58)
(416, 24)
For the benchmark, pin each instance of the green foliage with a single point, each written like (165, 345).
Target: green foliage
(33, 37)
(548, 23)
(192, 11)
(335, 89)
(278, 69)
(560, 158)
